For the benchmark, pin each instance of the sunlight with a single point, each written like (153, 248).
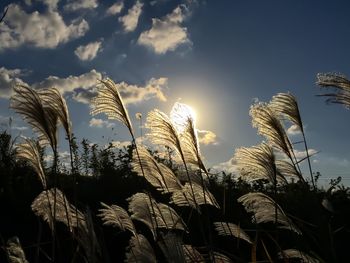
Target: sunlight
(180, 114)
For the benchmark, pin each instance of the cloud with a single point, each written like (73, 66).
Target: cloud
(83, 86)
(131, 19)
(71, 83)
(121, 145)
(116, 8)
(131, 94)
(99, 123)
(42, 30)
(206, 137)
(51, 4)
(293, 130)
(153, 89)
(166, 34)
(89, 51)
(227, 167)
(302, 154)
(74, 5)
(8, 79)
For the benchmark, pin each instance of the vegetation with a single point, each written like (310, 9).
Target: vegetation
(140, 205)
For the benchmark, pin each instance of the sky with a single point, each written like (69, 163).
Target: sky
(216, 56)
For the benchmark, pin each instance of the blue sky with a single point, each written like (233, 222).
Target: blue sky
(216, 56)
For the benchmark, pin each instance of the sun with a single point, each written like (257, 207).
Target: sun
(181, 113)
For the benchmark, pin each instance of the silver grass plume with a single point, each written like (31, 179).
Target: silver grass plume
(117, 217)
(184, 197)
(297, 254)
(221, 258)
(257, 162)
(43, 120)
(185, 124)
(172, 247)
(30, 152)
(230, 229)
(157, 174)
(183, 119)
(268, 125)
(14, 251)
(340, 83)
(286, 170)
(139, 250)
(286, 105)
(87, 239)
(65, 212)
(52, 98)
(155, 215)
(110, 102)
(264, 209)
(192, 255)
(163, 132)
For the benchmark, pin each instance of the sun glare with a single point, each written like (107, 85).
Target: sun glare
(180, 113)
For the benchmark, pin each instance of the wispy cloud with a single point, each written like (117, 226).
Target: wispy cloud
(74, 5)
(8, 79)
(99, 123)
(116, 8)
(166, 34)
(302, 154)
(42, 30)
(131, 19)
(89, 51)
(207, 137)
(293, 130)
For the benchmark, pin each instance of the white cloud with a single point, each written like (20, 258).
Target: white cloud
(166, 34)
(51, 4)
(99, 123)
(42, 30)
(206, 137)
(131, 94)
(83, 86)
(116, 8)
(302, 154)
(89, 51)
(71, 83)
(8, 79)
(131, 19)
(227, 167)
(293, 130)
(74, 5)
(134, 94)
(121, 145)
